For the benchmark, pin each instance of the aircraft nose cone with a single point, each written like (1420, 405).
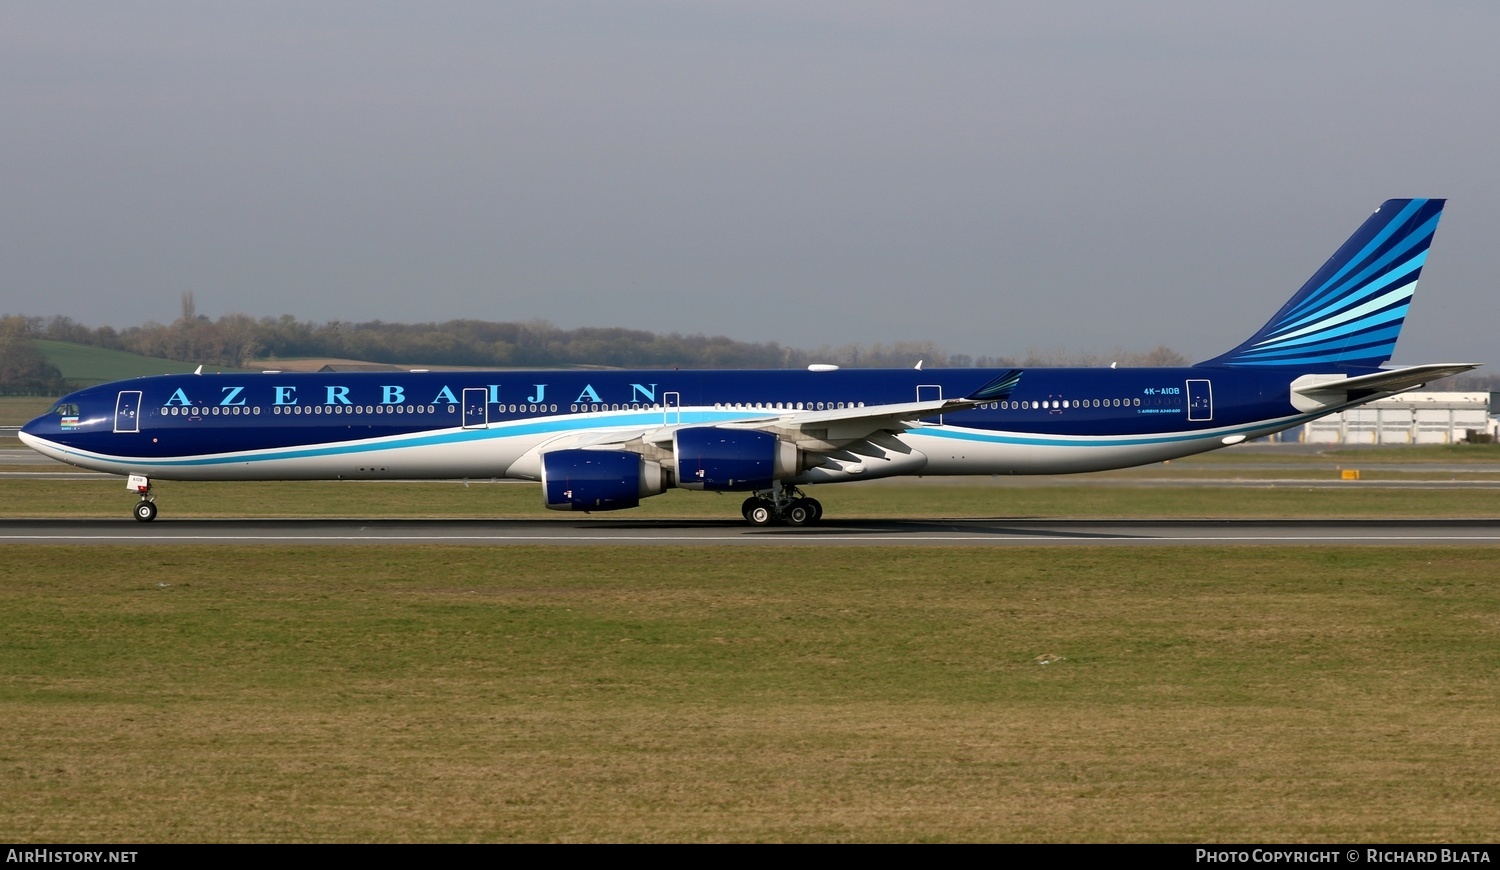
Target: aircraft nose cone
(28, 434)
(46, 426)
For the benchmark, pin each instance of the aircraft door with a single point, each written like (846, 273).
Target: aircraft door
(1200, 396)
(671, 413)
(128, 411)
(476, 408)
(931, 393)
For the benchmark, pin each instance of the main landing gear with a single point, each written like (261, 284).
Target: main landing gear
(781, 505)
(145, 509)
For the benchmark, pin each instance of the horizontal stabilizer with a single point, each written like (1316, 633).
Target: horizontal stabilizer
(1392, 380)
(1316, 392)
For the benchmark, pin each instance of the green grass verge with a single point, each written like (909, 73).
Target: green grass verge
(106, 497)
(18, 410)
(84, 365)
(1419, 453)
(456, 694)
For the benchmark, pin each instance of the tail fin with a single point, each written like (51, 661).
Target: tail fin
(1350, 312)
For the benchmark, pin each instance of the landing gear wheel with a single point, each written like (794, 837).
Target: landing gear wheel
(749, 505)
(801, 513)
(145, 511)
(761, 515)
(816, 507)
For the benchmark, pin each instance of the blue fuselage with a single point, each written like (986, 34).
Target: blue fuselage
(484, 424)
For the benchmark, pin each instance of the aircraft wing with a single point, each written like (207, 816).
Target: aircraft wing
(840, 424)
(846, 424)
(852, 423)
(833, 426)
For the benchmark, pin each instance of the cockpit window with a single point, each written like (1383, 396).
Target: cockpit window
(66, 409)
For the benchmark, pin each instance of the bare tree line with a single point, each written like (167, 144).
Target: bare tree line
(237, 340)
(24, 370)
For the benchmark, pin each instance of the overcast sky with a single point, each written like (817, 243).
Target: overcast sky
(989, 176)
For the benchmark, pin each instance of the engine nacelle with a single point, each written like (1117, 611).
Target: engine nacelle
(598, 480)
(731, 460)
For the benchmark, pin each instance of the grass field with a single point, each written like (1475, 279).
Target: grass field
(17, 410)
(457, 694)
(1223, 484)
(82, 364)
(423, 693)
(1462, 452)
(983, 498)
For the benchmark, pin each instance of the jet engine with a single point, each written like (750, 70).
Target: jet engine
(731, 460)
(598, 480)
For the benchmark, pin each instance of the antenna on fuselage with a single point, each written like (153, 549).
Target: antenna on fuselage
(199, 369)
(919, 364)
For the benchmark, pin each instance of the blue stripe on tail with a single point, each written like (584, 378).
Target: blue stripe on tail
(1351, 311)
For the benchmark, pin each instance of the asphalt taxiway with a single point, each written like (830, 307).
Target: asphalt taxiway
(698, 533)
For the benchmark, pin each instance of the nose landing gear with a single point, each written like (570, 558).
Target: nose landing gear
(145, 509)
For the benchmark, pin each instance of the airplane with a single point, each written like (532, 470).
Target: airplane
(600, 440)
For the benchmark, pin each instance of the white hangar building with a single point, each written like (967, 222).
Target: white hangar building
(1410, 418)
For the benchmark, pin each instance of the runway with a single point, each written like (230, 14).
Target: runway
(699, 533)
